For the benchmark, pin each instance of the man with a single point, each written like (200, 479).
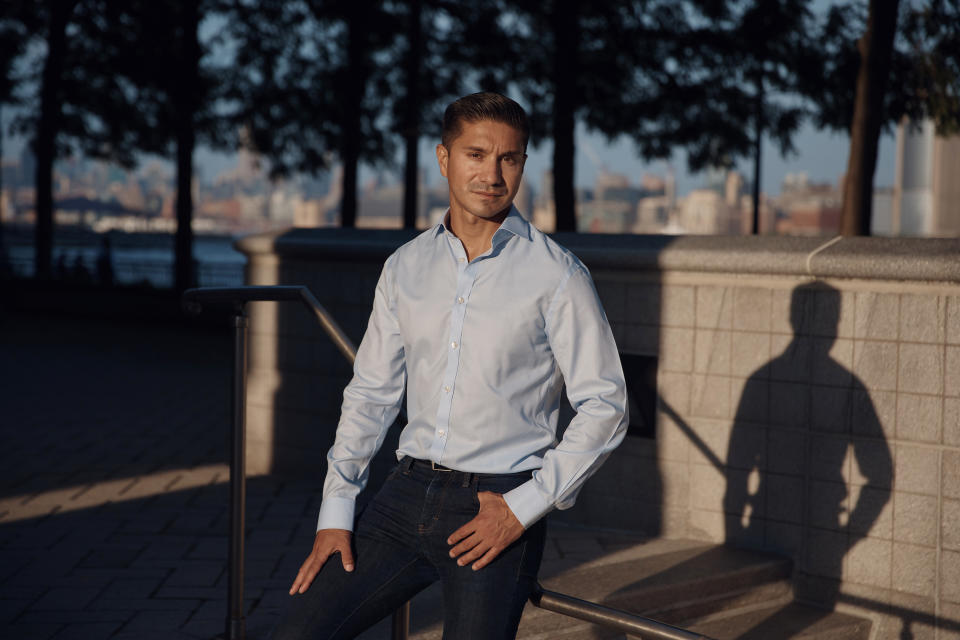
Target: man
(482, 318)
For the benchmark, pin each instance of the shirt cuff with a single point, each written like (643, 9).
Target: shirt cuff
(527, 503)
(336, 513)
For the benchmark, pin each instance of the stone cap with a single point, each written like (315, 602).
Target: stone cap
(923, 259)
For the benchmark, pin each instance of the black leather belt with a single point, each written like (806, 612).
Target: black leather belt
(409, 462)
(406, 463)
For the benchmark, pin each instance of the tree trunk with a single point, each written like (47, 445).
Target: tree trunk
(186, 106)
(350, 142)
(565, 28)
(876, 47)
(757, 159)
(46, 141)
(3, 252)
(411, 126)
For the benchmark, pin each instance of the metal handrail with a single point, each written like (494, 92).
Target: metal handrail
(608, 617)
(237, 298)
(193, 299)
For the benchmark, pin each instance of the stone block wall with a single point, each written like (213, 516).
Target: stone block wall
(808, 400)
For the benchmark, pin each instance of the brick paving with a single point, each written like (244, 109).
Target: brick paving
(113, 489)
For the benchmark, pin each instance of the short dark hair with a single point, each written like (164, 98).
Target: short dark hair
(483, 106)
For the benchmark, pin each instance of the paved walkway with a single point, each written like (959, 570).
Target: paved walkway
(113, 494)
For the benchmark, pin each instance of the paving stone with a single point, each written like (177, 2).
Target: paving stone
(203, 628)
(80, 630)
(30, 631)
(157, 620)
(11, 608)
(196, 574)
(70, 617)
(113, 558)
(915, 519)
(875, 363)
(201, 593)
(877, 315)
(131, 588)
(66, 599)
(914, 569)
(208, 548)
(167, 634)
(921, 368)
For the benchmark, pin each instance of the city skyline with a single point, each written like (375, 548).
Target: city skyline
(820, 154)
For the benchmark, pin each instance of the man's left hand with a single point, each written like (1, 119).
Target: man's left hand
(490, 532)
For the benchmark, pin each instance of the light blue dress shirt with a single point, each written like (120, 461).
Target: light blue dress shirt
(483, 348)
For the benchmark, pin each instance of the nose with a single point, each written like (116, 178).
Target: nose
(491, 172)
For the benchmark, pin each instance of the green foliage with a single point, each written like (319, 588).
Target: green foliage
(931, 38)
(924, 69)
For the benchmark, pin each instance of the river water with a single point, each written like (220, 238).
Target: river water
(136, 258)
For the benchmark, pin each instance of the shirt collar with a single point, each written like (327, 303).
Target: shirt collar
(513, 224)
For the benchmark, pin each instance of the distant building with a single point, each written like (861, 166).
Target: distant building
(544, 215)
(808, 208)
(926, 191)
(716, 209)
(704, 212)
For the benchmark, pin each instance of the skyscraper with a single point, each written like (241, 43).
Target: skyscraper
(926, 191)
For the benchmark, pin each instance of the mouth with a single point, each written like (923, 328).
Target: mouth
(489, 194)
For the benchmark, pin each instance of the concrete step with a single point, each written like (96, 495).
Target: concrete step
(671, 582)
(720, 592)
(793, 621)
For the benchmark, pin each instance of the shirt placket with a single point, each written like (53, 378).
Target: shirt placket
(466, 274)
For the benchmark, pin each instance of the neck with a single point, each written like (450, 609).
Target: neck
(475, 233)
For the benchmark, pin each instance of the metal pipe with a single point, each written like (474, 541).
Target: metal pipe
(401, 622)
(236, 625)
(610, 618)
(336, 334)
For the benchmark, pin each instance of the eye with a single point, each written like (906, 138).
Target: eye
(475, 155)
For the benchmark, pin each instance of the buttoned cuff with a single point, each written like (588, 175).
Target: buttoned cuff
(528, 503)
(336, 513)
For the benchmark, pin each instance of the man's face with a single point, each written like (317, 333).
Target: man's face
(483, 167)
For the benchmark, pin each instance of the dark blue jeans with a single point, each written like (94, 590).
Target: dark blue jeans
(400, 548)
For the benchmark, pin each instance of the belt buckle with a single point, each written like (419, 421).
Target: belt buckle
(437, 467)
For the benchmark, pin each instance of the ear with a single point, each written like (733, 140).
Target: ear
(442, 157)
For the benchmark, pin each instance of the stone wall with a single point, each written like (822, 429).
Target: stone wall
(808, 399)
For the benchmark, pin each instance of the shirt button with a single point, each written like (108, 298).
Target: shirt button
(446, 389)
(460, 300)
(461, 259)
(441, 432)
(453, 345)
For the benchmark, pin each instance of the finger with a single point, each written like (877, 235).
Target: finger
(311, 567)
(462, 532)
(346, 558)
(487, 558)
(465, 545)
(300, 576)
(307, 579)
(474, 554)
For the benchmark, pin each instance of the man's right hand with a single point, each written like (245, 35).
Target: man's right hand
(327, 542)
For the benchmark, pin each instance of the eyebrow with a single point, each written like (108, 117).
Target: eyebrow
(483, 150)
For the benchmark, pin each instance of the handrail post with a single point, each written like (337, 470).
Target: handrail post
(401, 622)
(236, 623)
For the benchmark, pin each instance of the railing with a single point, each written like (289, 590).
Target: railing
(237, 298)
(611, 618)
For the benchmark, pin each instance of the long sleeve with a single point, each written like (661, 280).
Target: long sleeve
(585, 351)
(371, 402)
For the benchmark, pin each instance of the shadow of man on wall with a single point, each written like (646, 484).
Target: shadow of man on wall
(809, 468)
